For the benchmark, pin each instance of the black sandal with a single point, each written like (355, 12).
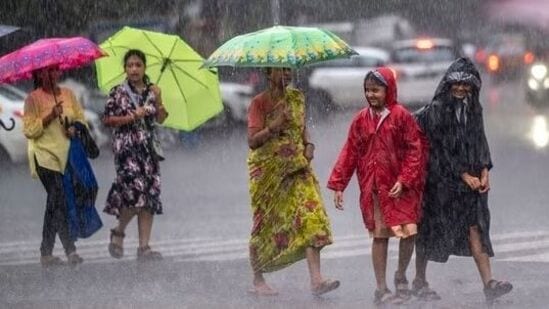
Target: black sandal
(48, 261)
(145, 254)
(74, 259)
(115, 250)
(402, 291)
(423, 292)
(494, 289)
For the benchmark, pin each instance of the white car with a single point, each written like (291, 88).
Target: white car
(236, 99)
(420, 65)
(13, 144)
(340, 82)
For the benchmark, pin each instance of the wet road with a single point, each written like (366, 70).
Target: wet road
(204, 231)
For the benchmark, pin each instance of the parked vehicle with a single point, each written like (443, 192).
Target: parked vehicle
(505, 55)
(537, 83)
(339, 83)
(419, 64)
(13, 144)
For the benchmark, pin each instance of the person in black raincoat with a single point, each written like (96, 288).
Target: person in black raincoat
(456, 219)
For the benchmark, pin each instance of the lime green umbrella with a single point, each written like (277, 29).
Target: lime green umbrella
(280, 46)
(191, 94)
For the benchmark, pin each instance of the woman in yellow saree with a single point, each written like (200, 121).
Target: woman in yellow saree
(289, 219)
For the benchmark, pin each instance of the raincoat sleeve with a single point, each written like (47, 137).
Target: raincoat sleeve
(484, 151)
(32, 119)
(413, 162)
(347, 160)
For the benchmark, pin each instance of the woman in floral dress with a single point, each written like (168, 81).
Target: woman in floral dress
(289, 219)
(132, 108)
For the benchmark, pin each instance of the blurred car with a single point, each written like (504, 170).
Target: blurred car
(537, 83)
(419, 65)
(505, 55)
(14, 143)
(339, 83)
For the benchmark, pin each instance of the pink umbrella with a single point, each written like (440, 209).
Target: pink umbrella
(66, 53)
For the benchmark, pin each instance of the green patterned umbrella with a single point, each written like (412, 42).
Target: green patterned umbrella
(280, 46)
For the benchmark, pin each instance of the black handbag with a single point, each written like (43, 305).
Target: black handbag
(82, 132)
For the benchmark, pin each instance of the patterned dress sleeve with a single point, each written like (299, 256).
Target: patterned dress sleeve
(112, 107)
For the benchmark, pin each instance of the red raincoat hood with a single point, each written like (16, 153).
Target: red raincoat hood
(389, 78)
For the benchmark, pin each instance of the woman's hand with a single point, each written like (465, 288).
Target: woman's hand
(70, 132)
(338, 200)
(140, 112)
(484, 182)
(280, 121)
(309, 151)
(55, 112)
(471, 181)
(396, 190)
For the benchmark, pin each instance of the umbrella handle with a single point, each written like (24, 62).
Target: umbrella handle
(3, 125)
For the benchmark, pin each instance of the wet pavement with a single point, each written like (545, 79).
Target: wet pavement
(203, 233)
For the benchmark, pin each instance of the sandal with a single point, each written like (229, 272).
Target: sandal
(423, 292)
(74, 259)
(402, 290)
(145, 254)
(51, 261)
(494, 289)
(325, 287)
(116, 250)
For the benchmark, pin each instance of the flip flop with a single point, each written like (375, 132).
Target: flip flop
(325, 287)
(262, 292)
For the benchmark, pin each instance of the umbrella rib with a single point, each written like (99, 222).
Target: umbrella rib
(110, 48)
(152, 43)
(115, 78)
(179, 87)
(190, 76)
(166, 62)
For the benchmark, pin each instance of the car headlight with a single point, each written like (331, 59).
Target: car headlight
(538, 71)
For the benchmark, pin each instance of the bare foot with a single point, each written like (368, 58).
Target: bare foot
(263, 289)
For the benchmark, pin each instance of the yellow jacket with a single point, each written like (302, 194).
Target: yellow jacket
(49, 145)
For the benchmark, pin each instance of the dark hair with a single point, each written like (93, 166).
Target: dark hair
(141, 55)
(373, 78)
(37, 82)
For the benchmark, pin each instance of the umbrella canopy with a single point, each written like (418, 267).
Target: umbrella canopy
(280, 46)
(5, 29)
(191, 95)
(66, 53)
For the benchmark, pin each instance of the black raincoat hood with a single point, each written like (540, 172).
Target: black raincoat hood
(461, 70)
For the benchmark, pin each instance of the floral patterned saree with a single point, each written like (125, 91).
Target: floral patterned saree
(288, 213)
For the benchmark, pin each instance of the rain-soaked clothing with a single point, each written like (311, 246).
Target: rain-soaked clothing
(288, 212)
(137, 182)
(457, 145)
(383, 152)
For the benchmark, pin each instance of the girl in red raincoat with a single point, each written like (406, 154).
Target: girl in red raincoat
(384, 146)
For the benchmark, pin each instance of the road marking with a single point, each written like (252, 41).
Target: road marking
(522, 246)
